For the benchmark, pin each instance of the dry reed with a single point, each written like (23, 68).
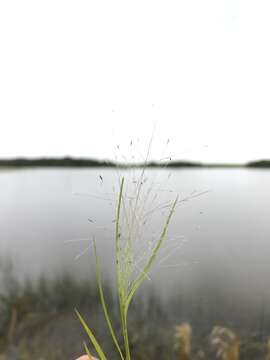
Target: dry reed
(226, 343)
(183, 335)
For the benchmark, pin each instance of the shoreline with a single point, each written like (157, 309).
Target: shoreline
(67, 162)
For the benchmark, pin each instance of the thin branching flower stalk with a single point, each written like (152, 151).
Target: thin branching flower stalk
(130, 274)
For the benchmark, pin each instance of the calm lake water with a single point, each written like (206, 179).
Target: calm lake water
(222, 237)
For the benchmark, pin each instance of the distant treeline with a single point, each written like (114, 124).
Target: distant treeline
(171, 163)
(83, 162)
(260, 164)
(80, 162)
(54, 162)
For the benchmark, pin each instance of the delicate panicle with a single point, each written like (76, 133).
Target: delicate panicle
(136, 249)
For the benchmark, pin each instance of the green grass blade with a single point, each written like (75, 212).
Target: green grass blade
(121, 281)
(147, 267)
(102, 299)
(120, 287)
(91, 337)
(117, 225)
(87, 351)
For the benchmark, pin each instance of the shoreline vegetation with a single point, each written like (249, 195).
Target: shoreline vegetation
(67, 162)
(37, 321)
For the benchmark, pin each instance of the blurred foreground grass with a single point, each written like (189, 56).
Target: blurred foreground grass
(37, 322)
(37, 319)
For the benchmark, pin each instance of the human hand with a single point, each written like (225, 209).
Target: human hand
(86, 357)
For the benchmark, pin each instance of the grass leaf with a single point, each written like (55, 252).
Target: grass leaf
(91, 337)
(104, 306)
(87, 351)
(147, 267)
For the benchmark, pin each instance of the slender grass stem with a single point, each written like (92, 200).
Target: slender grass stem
(121, 283)
(147, 267)
(104, 306)
(125, 254)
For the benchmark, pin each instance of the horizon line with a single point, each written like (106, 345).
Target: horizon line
(69, 161)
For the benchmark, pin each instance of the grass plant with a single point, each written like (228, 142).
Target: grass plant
(183, 334)
(226, 343)
(133, 259)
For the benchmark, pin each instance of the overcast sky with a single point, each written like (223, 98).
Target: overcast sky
(81, 77)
